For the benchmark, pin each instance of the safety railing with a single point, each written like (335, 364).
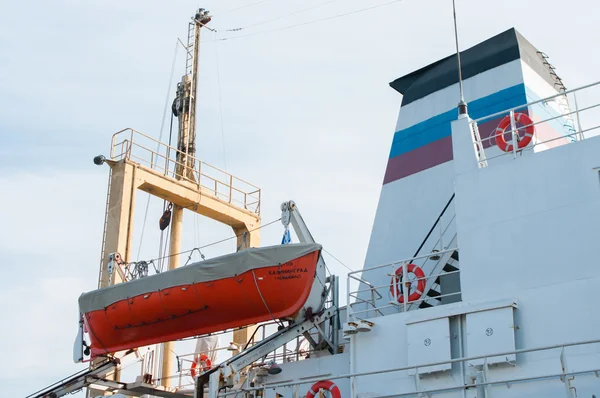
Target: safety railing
(481, 377)
(396, 294)
(135, 146)
(559, 119)
(296, 350)
(399, 280)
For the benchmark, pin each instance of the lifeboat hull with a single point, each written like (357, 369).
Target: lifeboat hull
(244, 288)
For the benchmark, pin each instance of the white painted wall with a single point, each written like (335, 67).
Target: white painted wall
(537, 84)
(538, 245)
(406, 211)
(543, 228)
(537, 324)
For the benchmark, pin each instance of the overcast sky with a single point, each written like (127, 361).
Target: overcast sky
(307, 115)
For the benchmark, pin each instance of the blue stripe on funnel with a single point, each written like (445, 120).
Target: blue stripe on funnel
(438, 127)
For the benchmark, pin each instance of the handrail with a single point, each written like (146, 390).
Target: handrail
(493, 115)
(133, 145)
(178, 151)
(562, 115)
(353, 294)
(403, 368)
(406, 260)
(434, 225)
(571, 132)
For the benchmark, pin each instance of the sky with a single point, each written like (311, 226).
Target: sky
(304, 112)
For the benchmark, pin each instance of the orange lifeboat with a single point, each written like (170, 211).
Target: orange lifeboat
(231, 291)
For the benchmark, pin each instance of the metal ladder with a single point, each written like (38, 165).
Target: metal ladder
(102, 254)
(447, 263)
(562, 101)
(189, 50)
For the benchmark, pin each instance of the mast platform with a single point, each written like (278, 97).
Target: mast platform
(212, 192)
(183, 181)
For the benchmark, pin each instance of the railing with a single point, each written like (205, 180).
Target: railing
(587, 115)
(435, 224)
(440, 244)
(397, 301)
(484, 373)
(135, 146)
(297, 350)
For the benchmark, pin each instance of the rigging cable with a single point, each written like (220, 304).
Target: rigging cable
(162, 247)
(162, 125)
(281, 16)
(338, 260)
(312, 21)
(209, 244)
(242, 7)
(220, 103)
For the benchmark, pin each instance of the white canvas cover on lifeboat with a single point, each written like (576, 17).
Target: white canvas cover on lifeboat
(205, 271)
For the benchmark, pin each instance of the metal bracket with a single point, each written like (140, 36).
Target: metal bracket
(234, 365)
(565, 373)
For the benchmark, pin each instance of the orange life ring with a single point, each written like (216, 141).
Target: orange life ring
(504, 123)
(204, 362)
(325, 385)
(420, 284)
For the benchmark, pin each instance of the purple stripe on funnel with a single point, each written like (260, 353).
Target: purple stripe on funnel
(440, 151)
(419, 159)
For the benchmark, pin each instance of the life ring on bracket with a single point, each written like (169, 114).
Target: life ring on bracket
(398, 278)
(504, 123)
(325, 385)
(204, 362)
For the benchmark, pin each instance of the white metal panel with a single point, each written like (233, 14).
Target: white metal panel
(429, 342)
(491, 332)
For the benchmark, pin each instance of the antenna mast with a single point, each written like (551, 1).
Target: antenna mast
(184, 106)
(462, 105)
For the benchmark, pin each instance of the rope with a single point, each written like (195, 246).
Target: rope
(208, 245)
(163, 249)
(190, 256)
(281, 16)
(162, 125)
(241, 7)
(336, 259)
(263, 299)
(220, 103)
(162, 263)
(312, 21)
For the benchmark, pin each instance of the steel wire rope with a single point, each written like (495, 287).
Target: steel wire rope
(242, 7)
(279, 17)
(161, 266)
(220, 102)
(163, 244)
(264, 301)
(311, 21)
(338, 260)
(207, 245)
(162, 125)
